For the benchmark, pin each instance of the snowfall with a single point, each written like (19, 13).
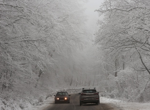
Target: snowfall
(123, 105)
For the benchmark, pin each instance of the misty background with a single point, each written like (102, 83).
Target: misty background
(49, 45)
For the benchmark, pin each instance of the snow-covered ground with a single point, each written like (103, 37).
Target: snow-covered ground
(126, 105)
(121, 104)
(11, 105)
(23, 105)
(46, 103)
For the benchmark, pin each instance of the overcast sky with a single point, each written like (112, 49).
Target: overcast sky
(91, 14)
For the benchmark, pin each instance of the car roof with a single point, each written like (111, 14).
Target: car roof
(88, 89)
(62, 91)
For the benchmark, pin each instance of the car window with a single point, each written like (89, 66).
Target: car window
(62, 93)
(89, 91)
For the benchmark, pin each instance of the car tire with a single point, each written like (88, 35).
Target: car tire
(80, 103)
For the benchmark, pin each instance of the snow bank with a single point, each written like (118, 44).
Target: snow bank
(45, 104)
(126, 105)
(14, 105)
(24, 105)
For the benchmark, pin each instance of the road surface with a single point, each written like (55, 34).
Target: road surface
(74, 105)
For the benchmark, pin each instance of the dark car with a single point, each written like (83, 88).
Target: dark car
(89, 96)
(62, 97)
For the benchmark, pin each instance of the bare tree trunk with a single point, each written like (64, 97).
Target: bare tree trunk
(123, 65)
(116, 67)
(143, 61)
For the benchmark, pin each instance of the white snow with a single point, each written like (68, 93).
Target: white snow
(45, 104)
(124, 105)
(14, 105)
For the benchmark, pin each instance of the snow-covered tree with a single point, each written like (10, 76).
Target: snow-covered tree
(124, 34)
(38, 42)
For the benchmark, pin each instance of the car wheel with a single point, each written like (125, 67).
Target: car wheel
(97, 103)
(80, 103)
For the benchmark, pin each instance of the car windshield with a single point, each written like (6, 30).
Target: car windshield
(62, 93)
(89, 91)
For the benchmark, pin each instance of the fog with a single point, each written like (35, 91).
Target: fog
(92, 15)
(49, 45)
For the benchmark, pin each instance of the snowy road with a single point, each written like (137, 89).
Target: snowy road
(74, 105)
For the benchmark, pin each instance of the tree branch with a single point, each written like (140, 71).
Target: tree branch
(118, 9)
(142, 61)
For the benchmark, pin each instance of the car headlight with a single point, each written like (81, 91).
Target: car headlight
(65, 98)
(57, 98)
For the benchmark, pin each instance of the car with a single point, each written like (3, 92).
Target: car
(61, 97)
(89, 96)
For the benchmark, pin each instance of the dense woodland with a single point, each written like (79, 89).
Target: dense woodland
(40, 42)
(45, 46)
(124, 37)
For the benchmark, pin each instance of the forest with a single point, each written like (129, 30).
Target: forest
(124, 37)
(46, 46)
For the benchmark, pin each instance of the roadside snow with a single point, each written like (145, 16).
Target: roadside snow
(11, 104)
(126, 105)
(123, 105)
(46, 103)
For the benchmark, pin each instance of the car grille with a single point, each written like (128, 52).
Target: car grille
(61, 98)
